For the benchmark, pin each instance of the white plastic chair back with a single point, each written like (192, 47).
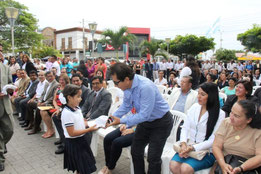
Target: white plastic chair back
(114, 107)
(223, 96)
(178, 117)
(165, 97)
(254, 89)
(113, 92)
(110, 84)
(162, 89)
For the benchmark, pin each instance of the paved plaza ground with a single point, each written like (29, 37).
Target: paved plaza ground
(31, 154)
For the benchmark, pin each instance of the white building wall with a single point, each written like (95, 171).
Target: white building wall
(76, 39)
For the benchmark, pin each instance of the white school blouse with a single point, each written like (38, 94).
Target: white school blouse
(71, 117)
(195, 131)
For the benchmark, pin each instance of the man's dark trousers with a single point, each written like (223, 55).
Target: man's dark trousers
(155, 134)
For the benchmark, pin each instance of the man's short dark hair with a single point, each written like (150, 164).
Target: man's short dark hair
(97, 77)
(77, 75)
(33, 72)
(122, 71)
(49, 72)
(54, 56)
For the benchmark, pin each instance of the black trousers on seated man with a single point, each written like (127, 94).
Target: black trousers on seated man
(155, 134)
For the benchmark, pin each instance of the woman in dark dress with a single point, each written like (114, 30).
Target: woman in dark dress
(27, 64)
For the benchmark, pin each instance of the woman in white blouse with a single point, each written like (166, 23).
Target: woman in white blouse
(197, 133)
(14, 66)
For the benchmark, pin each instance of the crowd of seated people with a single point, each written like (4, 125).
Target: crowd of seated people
(194, 91)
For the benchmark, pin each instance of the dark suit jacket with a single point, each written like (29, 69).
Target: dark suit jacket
(258, 94)
(148, 67)
(85, 92)
(50, 92)
(32, 90)
(29, 67)
(101, 104)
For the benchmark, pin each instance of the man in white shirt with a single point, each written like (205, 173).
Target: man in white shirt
(181, 99)
(169, 66)
(178, 66)
(55, 64)
(240, 67)
(161, 80)
(34, 99)
(163, 67)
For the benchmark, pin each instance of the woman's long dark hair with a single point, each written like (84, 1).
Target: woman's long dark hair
(251, 111)
(213, 106)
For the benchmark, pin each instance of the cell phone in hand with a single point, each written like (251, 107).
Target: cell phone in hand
(110, 120)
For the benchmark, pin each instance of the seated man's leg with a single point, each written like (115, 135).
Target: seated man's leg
(22, 105)
(30, 113)
(58, 125)
(37, 122)
(16, 103)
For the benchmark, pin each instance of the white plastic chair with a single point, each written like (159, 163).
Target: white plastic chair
(110, 84)
(223, 96)
(166, 97)
(103, 132)
(255, 88)
(114, 92)
(162, 89)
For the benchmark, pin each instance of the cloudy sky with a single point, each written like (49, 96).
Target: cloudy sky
(166, 18)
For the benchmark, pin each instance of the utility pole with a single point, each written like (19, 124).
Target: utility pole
(83, 39)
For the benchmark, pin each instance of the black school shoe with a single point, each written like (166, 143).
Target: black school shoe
(2, 167)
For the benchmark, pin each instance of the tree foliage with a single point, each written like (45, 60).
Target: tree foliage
(153, 47)
(117, 38)
(251, 39)
(225, 55)
(44, 51)
(190, 44)
(24, 30)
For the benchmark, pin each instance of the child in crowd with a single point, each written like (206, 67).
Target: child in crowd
(78, 155)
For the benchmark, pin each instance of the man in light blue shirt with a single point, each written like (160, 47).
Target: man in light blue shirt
(153, 119)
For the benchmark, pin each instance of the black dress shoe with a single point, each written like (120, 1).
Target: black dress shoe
(26, 124)
(20, 119)
(2, 167)
(34, 131)
(5, 151)
(58, 142)
(22, 123)
(30, 126)
(59, 151)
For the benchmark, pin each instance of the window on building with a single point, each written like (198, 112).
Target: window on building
(63, 43)
(70, 43)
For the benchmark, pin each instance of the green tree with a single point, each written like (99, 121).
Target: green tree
(251, 39)
(24, 30)
(117, 38)
(190, 44)
(225, 55)
(153, 47)
(44, 51)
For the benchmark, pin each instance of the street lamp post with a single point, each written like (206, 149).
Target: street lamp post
(93, 27)
(168, 41)
(12, 14)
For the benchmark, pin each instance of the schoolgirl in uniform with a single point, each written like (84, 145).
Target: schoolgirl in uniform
(77, 155)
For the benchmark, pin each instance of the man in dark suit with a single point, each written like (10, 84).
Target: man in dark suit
(98, 101)
(76, 80)
(148, 69)
(45, 99)
(29, 93)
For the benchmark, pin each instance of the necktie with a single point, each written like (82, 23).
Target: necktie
(93, 101)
